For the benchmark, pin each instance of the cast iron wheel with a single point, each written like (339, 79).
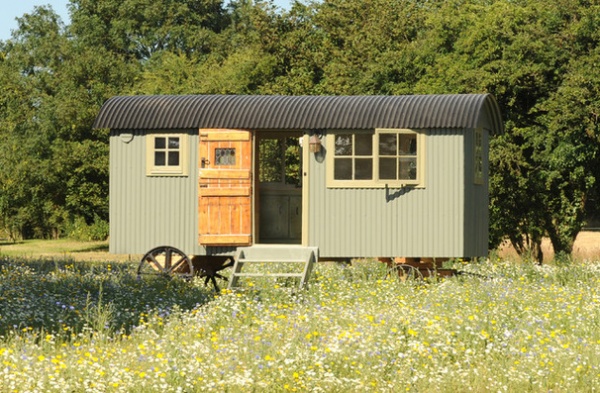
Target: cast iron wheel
(165, 261)
(407, 272)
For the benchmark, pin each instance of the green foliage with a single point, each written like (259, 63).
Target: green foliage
(55, 166)
(280, 163)
(137, 29)
(79, 229)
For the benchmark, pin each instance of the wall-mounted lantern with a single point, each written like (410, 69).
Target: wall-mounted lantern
(314, 143)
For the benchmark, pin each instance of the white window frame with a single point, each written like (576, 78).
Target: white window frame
(167, 170)
(419, 182)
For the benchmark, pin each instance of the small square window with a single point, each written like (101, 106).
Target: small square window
(387, 169)
(363, 168)
(167, 155)
(364, 145)
(225, 156)
(159, 158)
(343, 169)
(173, 158)
(388, 144)
(343, 145)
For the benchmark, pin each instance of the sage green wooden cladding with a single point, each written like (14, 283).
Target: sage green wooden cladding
(150, 211)
(445, 218)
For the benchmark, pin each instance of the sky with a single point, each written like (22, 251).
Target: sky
(11, 9)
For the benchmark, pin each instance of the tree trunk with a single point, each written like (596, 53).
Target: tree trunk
(529, 246)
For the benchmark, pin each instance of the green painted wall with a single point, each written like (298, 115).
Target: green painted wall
(446, 218)
(146, 212)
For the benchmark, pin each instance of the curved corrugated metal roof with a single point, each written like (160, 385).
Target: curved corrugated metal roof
(300, 112)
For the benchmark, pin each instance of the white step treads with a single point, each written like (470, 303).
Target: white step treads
(287, 261)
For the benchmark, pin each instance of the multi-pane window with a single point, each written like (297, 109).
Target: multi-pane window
(225, 156)
(167, 155)
(167, 151)
(367, 159)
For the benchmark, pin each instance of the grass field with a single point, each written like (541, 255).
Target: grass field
(64, 249)
(500, 326)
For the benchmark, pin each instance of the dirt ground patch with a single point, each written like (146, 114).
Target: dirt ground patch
(587, 247)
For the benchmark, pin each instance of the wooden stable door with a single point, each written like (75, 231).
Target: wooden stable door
(225, 188)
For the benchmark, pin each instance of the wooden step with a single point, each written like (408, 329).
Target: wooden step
(269, 274)
(279, 254)
(271, 261)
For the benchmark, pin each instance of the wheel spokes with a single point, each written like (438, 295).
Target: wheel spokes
(180, 263)
(151, 259)
(167, 259)
(159, 262)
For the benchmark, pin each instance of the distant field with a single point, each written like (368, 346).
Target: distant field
(587, 246)
(64, 248)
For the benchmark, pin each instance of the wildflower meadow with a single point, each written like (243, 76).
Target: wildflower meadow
(497, 327)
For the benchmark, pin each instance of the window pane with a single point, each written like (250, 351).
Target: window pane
(225, 156)
(160, 143)
(342, 169)
(173, 158)
(363, 145)
(173, 142)
(387, 169)
(408, 144)
(407, 168)
(363, 169)
(159, 158)
(343, 145)
(388, 145)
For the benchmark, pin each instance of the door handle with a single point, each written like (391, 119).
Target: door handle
(204, 162)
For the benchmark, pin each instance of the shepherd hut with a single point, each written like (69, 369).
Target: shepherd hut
(345, 176)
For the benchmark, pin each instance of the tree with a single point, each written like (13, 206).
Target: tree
(28, 200)
(55, 170)
(570, 148)
(517, 51)
(240, 61)
(136, 29)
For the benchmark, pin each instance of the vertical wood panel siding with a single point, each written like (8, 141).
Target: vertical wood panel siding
(146, 212)
(425, 222)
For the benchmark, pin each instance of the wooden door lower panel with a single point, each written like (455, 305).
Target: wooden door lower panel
(224, 221)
